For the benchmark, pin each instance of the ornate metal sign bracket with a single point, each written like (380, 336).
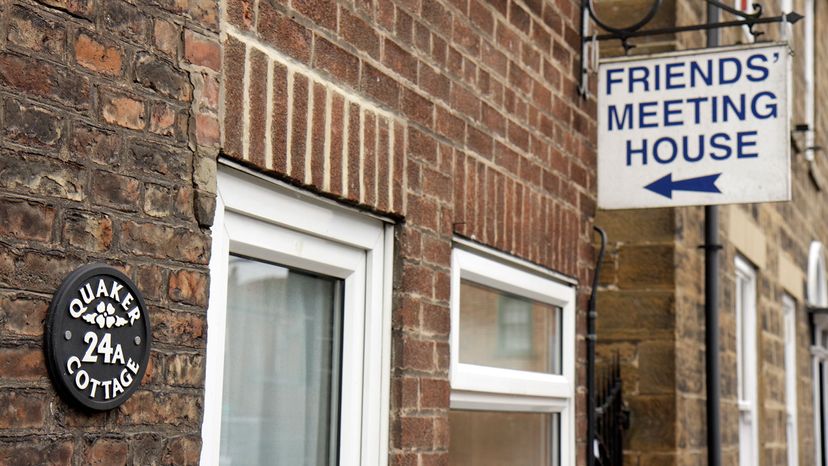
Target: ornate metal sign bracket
(624, 34)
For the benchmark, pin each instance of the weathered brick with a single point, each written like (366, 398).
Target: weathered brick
(158, 200)
(182, 451)
(95, 144)
(166, 37)
(185, 369)
(167, 120)
(150, 408)
(81, 8)
(123, 111)
(26, 220)
(201, 50)
(149, 239)
(32, 125)
(178, 328)
(114, 190)
(29, 30)
(159, 161)
(208, 131)
(162, 77)
(205, 12)
(42, 177)
(189, 287)
(107, 452)
(22, 364)
(46, 452)
(151, 280)
(45, 80)
(21, 410)
(22, 315)
(205, 91)
(125, 20)
(98, 55)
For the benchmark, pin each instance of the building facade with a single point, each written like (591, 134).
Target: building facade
(651, 302)
(362, 230)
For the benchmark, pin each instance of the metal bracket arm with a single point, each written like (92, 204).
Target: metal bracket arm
(624, 34)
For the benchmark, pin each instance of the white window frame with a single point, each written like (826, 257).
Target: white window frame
(791, 431)
(261, 218)
(745, 310)
(817, 296)
(476, 387)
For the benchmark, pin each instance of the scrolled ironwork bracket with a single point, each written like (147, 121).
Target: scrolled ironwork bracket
(624, 34)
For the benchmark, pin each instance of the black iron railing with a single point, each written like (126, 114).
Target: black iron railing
(612, 417)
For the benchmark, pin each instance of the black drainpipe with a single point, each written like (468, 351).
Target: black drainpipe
(711, 301)
(590, 341)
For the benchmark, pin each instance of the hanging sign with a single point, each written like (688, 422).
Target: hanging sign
(97, 337)
(696, 127)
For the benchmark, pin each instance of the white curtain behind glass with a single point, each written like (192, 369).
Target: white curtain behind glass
(281, 368)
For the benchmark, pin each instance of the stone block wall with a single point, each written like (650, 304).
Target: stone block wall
(108, 109)
(453, 117)
(774, 238)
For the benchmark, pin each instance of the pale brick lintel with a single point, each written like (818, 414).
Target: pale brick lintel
(359, 165)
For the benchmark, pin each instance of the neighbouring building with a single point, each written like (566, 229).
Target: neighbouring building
(773, 288)
(362, 229)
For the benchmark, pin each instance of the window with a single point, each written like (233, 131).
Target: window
(817, 296)
(789, 309)
(298, 347)
(746, 362)
(512, 369)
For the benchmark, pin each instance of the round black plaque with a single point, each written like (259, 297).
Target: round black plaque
(97, 338)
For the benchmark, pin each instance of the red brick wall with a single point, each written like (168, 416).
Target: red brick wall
(456, 117)
(109, 133)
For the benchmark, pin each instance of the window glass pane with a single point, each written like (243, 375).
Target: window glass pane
(496, 438)
(503, 330)
(281, 366)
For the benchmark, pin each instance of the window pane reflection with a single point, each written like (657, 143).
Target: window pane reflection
(281, 367)
(503, 330)
(496, 438)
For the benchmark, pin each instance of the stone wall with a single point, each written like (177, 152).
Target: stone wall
(774, 238)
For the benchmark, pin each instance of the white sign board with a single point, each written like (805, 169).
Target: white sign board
(697, 127)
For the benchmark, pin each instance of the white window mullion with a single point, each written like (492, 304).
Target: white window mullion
(746, 361)
(789, 310)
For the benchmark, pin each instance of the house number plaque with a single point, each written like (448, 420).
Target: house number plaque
(97, 337)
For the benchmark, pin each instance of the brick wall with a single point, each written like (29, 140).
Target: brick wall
(454, 117)
(108, 114)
